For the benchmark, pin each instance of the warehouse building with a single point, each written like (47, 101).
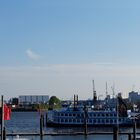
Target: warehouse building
(33, 99)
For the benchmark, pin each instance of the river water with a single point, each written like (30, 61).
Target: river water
(28, 122)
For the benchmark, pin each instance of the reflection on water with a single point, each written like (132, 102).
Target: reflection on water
(23, 122)
(78, 137)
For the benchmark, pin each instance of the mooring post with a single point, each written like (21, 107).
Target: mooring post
(85, 127)
(85, 120)
(4, 133)
(2, 117)
(41, 125)
(43, 120)
(134, 130)
(129, 136)
(46, 118)
(115, 132)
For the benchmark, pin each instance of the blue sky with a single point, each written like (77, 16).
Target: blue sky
(52, 36)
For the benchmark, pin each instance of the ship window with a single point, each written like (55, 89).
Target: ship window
(70, 114)
(66, 114)
(98, 114)
(66, 120)
(98, 121)
(107, 115)
(103, 115)
(82, 115)
(62, 114)
(82, 121)
(115, 115)
(74, 114)
(62, 120)
(78, 115)
(111, 114)
(115, 121)
(107, 121)
(78, 120)
(111, 121)
(70, 120)
(90, 115)
(74, 120)
(103, 121)
(94, 121)
(90, 121)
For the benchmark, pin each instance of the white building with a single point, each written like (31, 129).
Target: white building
(33, 99)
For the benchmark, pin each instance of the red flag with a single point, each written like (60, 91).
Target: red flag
(7, 112)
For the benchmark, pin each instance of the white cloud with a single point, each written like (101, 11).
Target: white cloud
(32, 55)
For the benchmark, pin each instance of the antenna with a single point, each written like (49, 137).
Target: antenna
(94, 92)
(106, 90)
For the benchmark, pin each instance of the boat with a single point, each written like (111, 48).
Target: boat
(113, 112)
(78, 116)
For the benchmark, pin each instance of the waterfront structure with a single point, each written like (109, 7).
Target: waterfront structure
(33, 99)
(134, 97)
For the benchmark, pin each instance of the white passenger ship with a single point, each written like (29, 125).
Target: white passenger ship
(79, 116)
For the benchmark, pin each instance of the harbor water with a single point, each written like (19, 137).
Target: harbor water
(28, 122)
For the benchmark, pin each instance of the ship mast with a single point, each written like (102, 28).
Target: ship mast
(113, 90)
(94, 92)
(106, 94)
(106, 90)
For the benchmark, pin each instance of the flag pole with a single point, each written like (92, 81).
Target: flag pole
(2, 117)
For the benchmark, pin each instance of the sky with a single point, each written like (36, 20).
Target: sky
(57, 47)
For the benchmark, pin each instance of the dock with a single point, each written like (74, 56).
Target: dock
(69, 134)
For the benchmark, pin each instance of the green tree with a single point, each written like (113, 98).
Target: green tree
(129, 106)
(54, 103)
(41, 106)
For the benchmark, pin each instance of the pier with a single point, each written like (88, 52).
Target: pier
(69, 134)
(129, 135)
